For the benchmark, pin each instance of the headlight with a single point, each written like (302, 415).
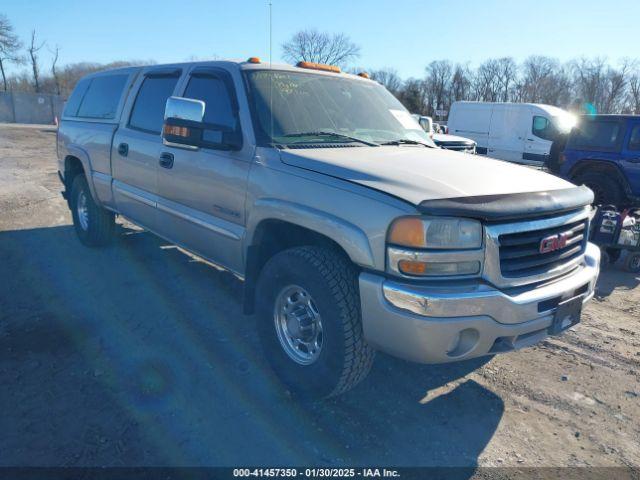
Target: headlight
(433, 246)
(441, 233)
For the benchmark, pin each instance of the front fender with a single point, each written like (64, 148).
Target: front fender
(349, 236)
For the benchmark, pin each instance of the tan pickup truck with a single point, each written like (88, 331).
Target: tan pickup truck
(352, 233)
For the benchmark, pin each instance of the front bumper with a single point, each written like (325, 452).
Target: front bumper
(438, 324)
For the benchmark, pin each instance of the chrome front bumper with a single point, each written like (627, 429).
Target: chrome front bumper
(437, 324)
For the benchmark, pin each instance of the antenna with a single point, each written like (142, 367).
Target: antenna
(270, 31)
(270, 72)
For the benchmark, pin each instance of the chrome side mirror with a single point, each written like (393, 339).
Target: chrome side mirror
(184, 127)
(184, 108)
(183, 122)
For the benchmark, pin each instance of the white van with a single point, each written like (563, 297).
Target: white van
(516, 132)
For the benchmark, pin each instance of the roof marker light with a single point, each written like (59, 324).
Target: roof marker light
(319, 66)
(253, 60)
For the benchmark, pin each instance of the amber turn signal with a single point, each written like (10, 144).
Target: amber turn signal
(412, 267)
(176, 131)
(408, 232)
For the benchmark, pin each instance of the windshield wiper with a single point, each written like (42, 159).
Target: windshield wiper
(405, 141)
(331, 134)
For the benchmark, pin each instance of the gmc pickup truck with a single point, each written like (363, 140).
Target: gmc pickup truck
(317, 188)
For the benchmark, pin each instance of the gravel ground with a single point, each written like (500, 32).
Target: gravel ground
(139, 355)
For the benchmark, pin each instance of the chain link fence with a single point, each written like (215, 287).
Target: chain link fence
(22, 107)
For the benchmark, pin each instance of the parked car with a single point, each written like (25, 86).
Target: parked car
(454, 142)
(425, 122)
(349, 240)
(516, 132)
(603, 152)
(443, 140)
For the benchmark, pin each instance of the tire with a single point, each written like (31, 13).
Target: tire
(632, 263)
(96, 227)
(605, 189)
(343, 358)
(605, 261)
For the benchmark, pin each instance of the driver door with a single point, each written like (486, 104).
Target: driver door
(201, 191)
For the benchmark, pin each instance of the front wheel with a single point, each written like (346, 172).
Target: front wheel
(309, 321)
(94, 225)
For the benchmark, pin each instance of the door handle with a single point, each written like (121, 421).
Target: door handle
(166, 160)
(123, 149)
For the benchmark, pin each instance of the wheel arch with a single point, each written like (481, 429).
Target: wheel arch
(77, 162)
(277, 225)
(603, 166)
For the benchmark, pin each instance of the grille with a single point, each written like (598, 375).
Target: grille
(520, 252)
(457, 146)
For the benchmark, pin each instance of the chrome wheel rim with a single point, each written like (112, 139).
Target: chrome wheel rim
(83, 211)
(298, 325)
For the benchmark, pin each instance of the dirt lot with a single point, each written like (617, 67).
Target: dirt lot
(140, 355)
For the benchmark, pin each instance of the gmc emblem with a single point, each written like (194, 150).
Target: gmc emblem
(554, 242)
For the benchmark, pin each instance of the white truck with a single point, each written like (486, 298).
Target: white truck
(351, 231)
(516, 132)
(445, 140)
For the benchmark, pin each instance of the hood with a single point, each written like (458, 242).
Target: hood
(446, 138)
(416, 174)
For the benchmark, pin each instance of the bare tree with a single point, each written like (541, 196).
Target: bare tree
(389, 78)
(507, 72)
(10, 45)
(486, 84)
(634, 93)
(56, 78)
(33, 54)
(615, 85)
(460, 88)
(413, 96)
(437, 81)
(543, 80)
(589, 80)
(320, 47)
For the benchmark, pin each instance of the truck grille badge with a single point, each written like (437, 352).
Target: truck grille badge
(554, 242)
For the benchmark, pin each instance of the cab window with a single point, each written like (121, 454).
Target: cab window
(101, 99)
(601, 135)
(634, 140)
(148, 110)
(72, 105)
(218, 109)
(543, 128)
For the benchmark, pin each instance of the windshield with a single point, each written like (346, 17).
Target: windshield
(316, 109)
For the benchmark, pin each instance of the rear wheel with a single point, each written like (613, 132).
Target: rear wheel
(632, 263)
(94, 225)
(309, 322)
(605, 189)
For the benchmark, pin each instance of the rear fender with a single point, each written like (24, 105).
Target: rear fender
(82, 155)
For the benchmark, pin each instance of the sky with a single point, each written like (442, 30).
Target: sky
(401, 34)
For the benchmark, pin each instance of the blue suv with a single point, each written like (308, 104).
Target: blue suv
(603, 153)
